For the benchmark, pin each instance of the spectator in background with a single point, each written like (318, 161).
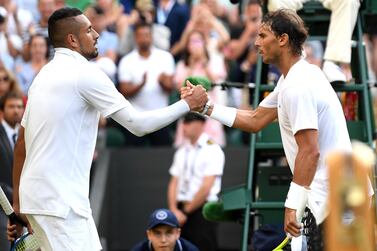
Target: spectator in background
(10, 44)
(30, 5)
(39, 55)
(113, 17)
(251, 20)
(128, 5)
(45, 8)
(313, 52)
(203, 20)
(8, 82)
(11, 110)
(338, 48)
(223, 10)
(146, 80)
(241, 56)
(196, 61)
(173, 15)
(163, 233)
(195, 179)
(144, 12)
(107, 44)
(19, 19)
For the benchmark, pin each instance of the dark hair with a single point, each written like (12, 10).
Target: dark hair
(54, 29)
(193, 116)
(7, 96)
(288, 22)
(47, 55)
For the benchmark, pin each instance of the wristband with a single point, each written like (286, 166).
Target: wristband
(206, 107)
(297, 198)
(223, 114)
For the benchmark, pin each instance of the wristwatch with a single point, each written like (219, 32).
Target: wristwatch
(206, 107)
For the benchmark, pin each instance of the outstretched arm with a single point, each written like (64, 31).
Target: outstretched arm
(246, 120)
(141, 123)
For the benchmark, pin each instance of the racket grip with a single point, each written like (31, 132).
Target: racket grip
(13, 219)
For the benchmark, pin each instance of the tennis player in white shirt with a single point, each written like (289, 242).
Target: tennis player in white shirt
(54, 150)
(311, 120)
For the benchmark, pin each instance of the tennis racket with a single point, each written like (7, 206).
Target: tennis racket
(27, 242)
(288, 238)
(283, 244)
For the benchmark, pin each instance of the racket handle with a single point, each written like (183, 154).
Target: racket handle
(12, 221)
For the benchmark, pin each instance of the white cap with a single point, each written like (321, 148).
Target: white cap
(3, 11)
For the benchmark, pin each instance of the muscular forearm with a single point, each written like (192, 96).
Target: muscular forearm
(18, 163)
(246, 120)
(141, 123)
(307, 156)
(305, 167)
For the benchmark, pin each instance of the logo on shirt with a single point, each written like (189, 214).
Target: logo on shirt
(161, 215)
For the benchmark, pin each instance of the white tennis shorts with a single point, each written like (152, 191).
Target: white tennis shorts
(74, 233)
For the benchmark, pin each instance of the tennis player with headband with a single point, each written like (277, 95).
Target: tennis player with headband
(56, 143)
(310, 117)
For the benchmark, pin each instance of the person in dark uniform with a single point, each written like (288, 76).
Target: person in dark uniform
(11, 110)
(163, 234)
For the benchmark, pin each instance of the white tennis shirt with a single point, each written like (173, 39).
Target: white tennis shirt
(192, 163)
(306, 100)
(61, 122)
(132, 68)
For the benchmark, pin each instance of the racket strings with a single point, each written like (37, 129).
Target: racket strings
(27, 243)
(313, 232)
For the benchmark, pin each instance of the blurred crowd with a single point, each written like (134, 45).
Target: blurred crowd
(148, 48)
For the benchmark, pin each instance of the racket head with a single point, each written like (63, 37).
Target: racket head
(27, 242)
